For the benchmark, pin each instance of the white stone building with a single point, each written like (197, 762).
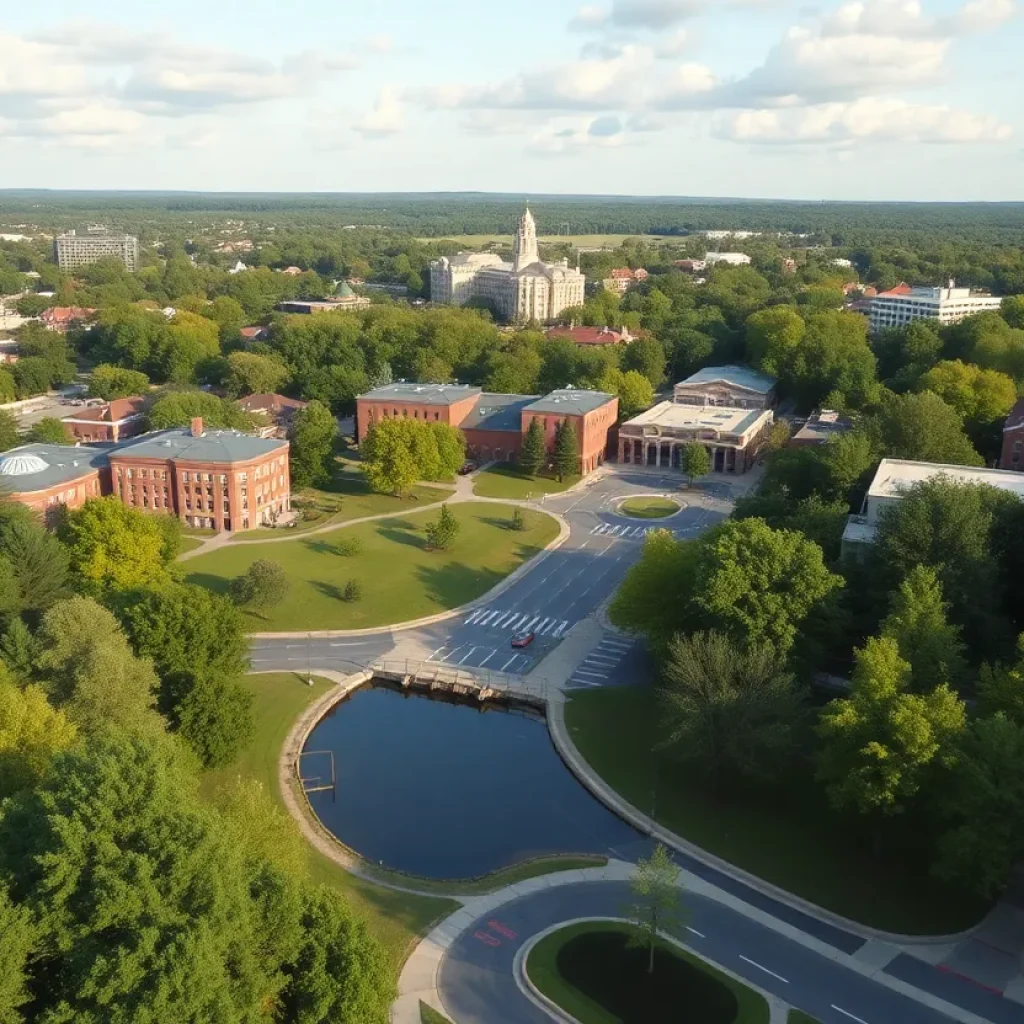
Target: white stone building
(525, 289)
(732, 259)
(948, 305)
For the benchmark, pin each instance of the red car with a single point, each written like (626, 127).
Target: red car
(523, 639)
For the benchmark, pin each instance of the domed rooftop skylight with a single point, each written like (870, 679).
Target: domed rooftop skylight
(22, 465)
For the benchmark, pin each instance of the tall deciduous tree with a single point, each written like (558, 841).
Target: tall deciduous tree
(31, 732)
(924, 428)
(731, 711)
(9, 436)
(1001, 688)
(657, 899)
(880, 743)
(313, 432)
(534, 453)
(926, 639)
(262, 586)
(647, 357)
(979, 396)
(773, 336)
(179, 408)
(696, 460)
(18, 937)
(110, 382)
(252, 374)
(567, 452)
(50, 430)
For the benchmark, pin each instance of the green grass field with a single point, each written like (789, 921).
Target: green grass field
(190, 544)
(649, 508)
(398, 919)
(505, 481)
(792, 840)
(701, 988)
(400, 578)
(431, 1016)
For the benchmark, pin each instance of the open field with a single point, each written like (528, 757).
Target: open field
(505, 481)
(791, 840)
(396, 918)
(399, 578)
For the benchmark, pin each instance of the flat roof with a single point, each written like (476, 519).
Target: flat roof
(37, 467)
(894, 476)
(218, 446)
(498, 412)
(741, 376)
(571, 400)
(697, 417)
(422, 394)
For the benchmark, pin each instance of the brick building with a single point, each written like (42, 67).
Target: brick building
(112, 421)
(1013, 439)
(219, 479)
(494, 425)
(591, 336)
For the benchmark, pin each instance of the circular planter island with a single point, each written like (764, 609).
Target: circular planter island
(656, 506)
(597, 973)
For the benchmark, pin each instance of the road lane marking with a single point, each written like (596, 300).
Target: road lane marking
(846, 1013)
(468, 654)
(358, 643)
(488, 658)
(754, 963)
(509, 662)
(695, 932)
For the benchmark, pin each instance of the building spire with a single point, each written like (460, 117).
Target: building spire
(524, 248)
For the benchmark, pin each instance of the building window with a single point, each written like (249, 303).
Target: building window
(185, 477)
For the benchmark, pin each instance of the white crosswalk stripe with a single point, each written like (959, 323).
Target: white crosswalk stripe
(543, 627)
(560, 629)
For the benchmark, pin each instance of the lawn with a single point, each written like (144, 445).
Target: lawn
(400, 578)
(649, 508)
(396, 918)
(505, 481)
(347, 497)
(791, 840)
(190, 544)
(591, 971)
(799, 1017)
(428, 1015)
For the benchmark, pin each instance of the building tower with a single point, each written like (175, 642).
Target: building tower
(524, 250)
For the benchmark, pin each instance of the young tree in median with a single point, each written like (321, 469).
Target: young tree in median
(880, 743)
(312, 446)
(262, 586)
(567, 452)
(731, 711)
(534, 453)
(442, 531)
(657, 899)
(696, 460)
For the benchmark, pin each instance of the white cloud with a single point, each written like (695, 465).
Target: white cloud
(652, 15)
(678, 43)
(386, 118)
(864, 120)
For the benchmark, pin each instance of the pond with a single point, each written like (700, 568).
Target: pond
(447, 790)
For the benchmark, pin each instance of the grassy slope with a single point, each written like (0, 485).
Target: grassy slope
(400, 579)
(396, 918)
(504, 481)
(797, 844)
(543, 972)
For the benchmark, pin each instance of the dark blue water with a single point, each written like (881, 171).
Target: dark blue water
(446, 790)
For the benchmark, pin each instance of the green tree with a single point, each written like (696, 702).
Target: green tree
(646, 357)
(534, 452)
(922, 427)
(19, 651)
(262, 586)
(517, 522)
(925, 638)
(657, 899)
(8, 389)
(89, 669)
(252, 374)
(833, 358)
(32, 376)
(773, 337)
(388, 460)
(110, 382)
(9, 436)
(179, 408)
(50, 430)
(451, 450)
(187, 341)
(1012, 310)
(732, 712)
(38, 562)
(197, 644)
(982, 804)
(696, 460)
(1001, 688)
(17, 946)
(758, 584)
(340, 973)
(113, 546)
(979, 396)
(880, 743)
(32, 304)
(442, 531)
(566, 455)
(123, 809)
(312, 436)
(31, 732)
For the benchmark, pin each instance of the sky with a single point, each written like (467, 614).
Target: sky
(857, 99)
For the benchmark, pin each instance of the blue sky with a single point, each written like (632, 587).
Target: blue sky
(864, 99)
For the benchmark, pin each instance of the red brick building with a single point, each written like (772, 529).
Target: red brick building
(112, 421)
(219, 479)
(63, 318)
(494, 425)
(1013, 439)
(590, 336)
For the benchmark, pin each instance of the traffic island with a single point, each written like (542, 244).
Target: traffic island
(656, 507)
(598, 973)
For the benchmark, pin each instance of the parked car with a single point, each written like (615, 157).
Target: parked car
(523, 639)
(467, 467)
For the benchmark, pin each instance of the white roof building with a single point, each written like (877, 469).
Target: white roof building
(733, 259)
(894, 477)
(948, 305)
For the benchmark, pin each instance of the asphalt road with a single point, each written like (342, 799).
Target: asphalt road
(477, 984)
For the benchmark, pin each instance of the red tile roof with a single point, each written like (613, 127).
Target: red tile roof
(270, 403)
(253, 333)
(901, 289)
(65, 314)
(590, 335)
(110, 412)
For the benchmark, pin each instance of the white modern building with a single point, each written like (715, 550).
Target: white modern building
(72, 250)
(894, 477)
(525, 289)
(733, 259)
(948, 305)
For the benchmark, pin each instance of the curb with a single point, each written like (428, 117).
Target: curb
(496, 591)
(643, 823)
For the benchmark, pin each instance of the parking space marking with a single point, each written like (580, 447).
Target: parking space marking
(488, 658)
(466, 655)
(588, 672)
(504, 668)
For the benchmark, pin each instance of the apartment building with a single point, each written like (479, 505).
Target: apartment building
(72, 250)
(947, 305)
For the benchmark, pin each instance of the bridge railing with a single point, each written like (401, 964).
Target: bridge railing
(437, 671)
